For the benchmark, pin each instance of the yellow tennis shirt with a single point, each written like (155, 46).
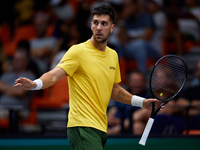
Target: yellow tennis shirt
(92, 74)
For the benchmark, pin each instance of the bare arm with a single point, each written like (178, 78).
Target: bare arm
(121, 95)
(48, 79)
(51, 77)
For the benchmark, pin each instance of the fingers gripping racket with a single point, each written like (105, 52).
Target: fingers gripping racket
(167, 78)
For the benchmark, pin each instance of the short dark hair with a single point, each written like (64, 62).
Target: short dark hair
(104, 10)
(24, 46)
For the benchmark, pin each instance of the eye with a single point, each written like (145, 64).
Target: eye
(104, 23)
(95, 22)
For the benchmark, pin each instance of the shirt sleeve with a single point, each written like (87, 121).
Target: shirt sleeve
(117, 73)
(70, 61)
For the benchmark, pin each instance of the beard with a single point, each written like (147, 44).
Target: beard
(101, 39)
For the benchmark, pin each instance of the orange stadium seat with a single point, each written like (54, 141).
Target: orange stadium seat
(5, 34)
(191, 132)
(4, 123)
(25, 32)
(172, 48)
(50, 31)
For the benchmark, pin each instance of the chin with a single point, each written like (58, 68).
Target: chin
(100, 40)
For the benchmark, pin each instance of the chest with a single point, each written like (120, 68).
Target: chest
(98, 67)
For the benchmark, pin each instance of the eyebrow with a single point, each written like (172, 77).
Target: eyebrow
(100, 21)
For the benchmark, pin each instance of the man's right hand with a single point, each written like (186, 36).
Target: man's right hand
(25, 83)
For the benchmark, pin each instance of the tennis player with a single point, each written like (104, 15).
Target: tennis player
(93, 75)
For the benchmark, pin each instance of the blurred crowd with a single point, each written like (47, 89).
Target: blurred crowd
(35, 34)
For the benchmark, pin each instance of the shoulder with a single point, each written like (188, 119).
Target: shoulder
(78, 47)
(75, 51)
(112, 51)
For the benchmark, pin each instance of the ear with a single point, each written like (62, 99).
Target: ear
(91, 25)
(112, 28)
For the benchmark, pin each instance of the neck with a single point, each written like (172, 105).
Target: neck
(99, 46)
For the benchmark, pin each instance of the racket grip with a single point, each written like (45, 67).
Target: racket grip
(146, 132)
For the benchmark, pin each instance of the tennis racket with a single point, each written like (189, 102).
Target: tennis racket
(167, 78)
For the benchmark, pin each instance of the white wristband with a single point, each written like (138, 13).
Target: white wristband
(39, 84)
(137, 101)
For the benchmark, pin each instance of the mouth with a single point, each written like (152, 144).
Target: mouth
(99, 34)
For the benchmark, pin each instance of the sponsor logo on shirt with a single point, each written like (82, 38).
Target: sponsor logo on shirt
(112, 68)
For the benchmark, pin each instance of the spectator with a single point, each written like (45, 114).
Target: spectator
(135, 34)
(168, 123)
(32, 66)
(193, 7)
(119, 19)
(160, 19)
(182, 28)
(137, 86)
(190, 102)
(189, 22)
(12, 96)
(42, 46)
(62, 10)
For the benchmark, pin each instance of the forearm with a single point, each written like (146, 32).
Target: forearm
(121, 95)
(48, 80)
(51, 77)
(45, 81)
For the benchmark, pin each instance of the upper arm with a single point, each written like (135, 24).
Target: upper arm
(116, 86)
(57, 73)
(115, 90)
(70, 61)
(52, 77)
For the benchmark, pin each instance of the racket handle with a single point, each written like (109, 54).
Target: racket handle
(146, 132)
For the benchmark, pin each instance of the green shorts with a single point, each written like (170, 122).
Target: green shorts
(86, 138)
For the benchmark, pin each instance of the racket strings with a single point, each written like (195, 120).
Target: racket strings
(168, 77)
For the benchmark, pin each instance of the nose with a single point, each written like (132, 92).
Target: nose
(99, 26)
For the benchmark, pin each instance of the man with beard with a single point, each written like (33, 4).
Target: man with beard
(93, 77)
